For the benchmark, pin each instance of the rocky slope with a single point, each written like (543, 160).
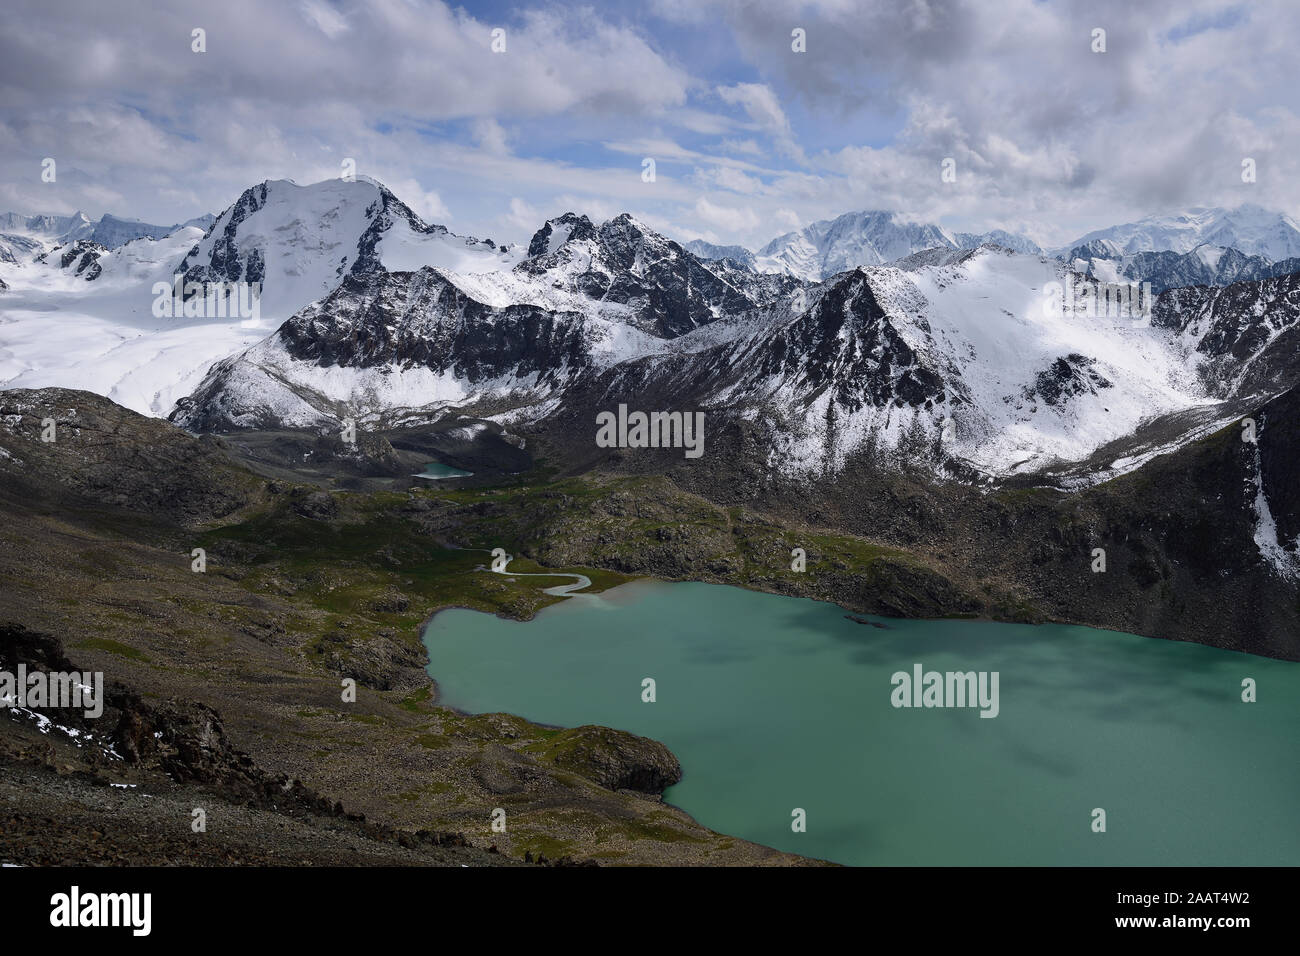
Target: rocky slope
(239, 669)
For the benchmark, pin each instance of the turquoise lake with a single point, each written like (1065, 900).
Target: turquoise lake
(774, 703)
(435, 470)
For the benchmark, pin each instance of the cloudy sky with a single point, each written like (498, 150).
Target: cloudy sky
(749, 138)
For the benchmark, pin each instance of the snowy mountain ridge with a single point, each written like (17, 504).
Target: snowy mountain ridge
(827, 247)
(1250, 229)
(952, 354)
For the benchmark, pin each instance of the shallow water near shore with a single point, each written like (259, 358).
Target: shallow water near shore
(774, 703)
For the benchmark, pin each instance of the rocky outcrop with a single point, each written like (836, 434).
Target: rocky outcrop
(62, 443)
(81, 258)
(378, 657)
(185, 741)
(614, 759)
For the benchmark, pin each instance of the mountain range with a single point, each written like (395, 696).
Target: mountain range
(383, 316)
(827, 247)
(916, 338)
(962, 396)
(23, 237)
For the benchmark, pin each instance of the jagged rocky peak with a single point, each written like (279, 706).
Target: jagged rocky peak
(849, 344)
(616, 242)
(556, 232)
(667, 290)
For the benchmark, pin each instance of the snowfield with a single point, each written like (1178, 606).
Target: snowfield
(102, 336)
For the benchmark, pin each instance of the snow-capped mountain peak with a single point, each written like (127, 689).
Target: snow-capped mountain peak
(660, 287)
(1248, 228)
(831, 246)
(300, 241)
(554, 233)
(709, 250)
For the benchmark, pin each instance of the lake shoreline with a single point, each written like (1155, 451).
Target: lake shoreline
(1061, 687)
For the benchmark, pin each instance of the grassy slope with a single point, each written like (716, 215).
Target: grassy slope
(287, 604)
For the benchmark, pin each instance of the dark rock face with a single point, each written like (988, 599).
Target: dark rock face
(672, 290)
(80, 257)
(104, 454)
(1234, 323)
(1279, 462)
(421, 319)
(227, 263)
(1069, 376)
(184, 740)
(578, 228)
(614, 759)
(383, 213)
(847, 343)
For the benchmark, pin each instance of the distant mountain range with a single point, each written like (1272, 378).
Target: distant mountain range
(828, 247)
(1203, 265)
(854, 239)
(1249, 229)
(24, 237)
(1202, 245)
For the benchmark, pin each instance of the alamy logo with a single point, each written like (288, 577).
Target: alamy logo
(75, 908)
(652, 430)
(57, 690)
(207, 300)
(1093, 299)
(923, 688)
